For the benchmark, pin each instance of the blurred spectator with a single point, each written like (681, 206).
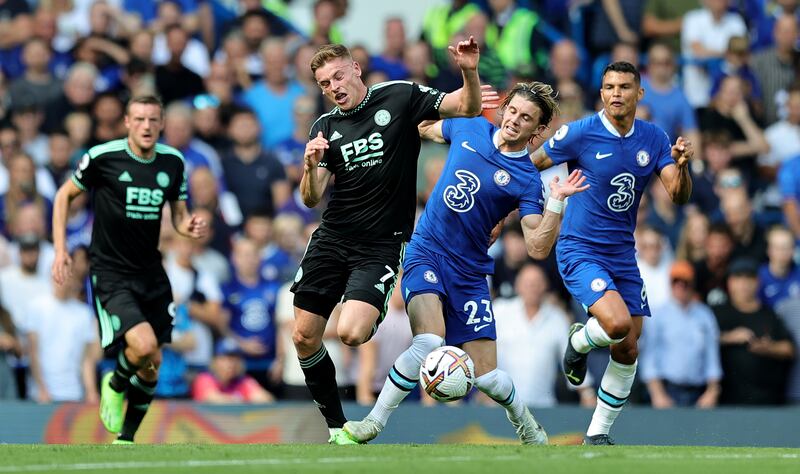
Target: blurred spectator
(204, 193)
(779, 278)
(757, 349)
(60, 152)
(615, 21)
(324, 29)
(201, 295)
(748, 236)
(207, 121)
(79, 93)
(63, 343)
(240, 58)
(531, 337)
(20, 283)
(15, 30)
(662, 20)
(736, 62)
(226, 382)
(390, 61)
(376, 357)
(776, 66)
(21, 190)
(763, 26)
(290, 151)
(174, 80)
(442, 21)
(250, 300)
(79, 223)
(37, 87)
(564, 62)
(654, 263)
(716, 159)
(789, 182)
(664, 215)
(692, 242)
(729, 113)
(79, 128)
(513, 258)
(301, 72)
(517, 35)
(195, 55)
(108, 113)
(272, 98)
(178, 133)
(28, 121)
(783, 137)
(254, 175)
(141, 47)
(10, 146)
(680, 352)
(712, 271)
(704, 38)
(9, 346)
(204, 257)
(668, 105)
(173, 373)
(279, 261)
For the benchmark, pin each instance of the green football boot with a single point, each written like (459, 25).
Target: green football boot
(111, 405)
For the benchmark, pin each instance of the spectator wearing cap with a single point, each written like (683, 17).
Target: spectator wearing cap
(680, 353)
(779, 278)
(756, 348)
(226, 382)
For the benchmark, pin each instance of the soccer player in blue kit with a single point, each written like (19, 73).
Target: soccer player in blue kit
(596, 258)
(487, 175)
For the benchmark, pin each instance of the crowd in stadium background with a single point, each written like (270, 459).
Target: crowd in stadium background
(240, 99)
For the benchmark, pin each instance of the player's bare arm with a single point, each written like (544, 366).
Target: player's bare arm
(62, 264)
(541, 231)
(315, 179)
(465, 102)
(676, 178)
(541, 160)
(186, 224)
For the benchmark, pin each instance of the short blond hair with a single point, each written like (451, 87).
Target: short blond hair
(327, 53)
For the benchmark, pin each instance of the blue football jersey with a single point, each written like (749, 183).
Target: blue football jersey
(478, 187)
(617, 168)
(252, 311)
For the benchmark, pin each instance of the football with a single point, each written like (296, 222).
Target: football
(447, 374)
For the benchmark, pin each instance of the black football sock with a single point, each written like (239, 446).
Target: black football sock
(321, 380)
(123, 372)
(140, 394)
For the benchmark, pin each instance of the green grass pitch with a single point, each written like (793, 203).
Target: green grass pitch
(390, 459)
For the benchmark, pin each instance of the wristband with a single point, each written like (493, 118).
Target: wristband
(555, 206)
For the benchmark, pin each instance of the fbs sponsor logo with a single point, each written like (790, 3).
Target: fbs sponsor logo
(363, 153)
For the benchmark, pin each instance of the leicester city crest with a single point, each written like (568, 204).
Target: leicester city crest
(502, 178)
(643, 158)
(162, 179)
(382, 117)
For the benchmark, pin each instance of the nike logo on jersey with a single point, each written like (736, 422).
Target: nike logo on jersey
(335, 136)
(465, 144)
(604, 155)
(478, 328)
(125, 177)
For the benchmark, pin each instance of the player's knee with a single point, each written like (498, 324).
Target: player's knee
(352, 337)
(618, 328)
(626, 355)
(144, 348)
(305, 339)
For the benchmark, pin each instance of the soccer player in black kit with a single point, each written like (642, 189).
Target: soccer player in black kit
(370, 142)
(130, 180)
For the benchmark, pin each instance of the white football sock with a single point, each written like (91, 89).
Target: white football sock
(500, 388)
(591, 337)
(403, 376)
(611, 397)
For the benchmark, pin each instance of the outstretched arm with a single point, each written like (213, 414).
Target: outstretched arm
(540, 231)
(676, 178)
(62, 263)
(465, 102)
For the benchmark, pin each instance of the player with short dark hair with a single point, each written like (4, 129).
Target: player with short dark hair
(130, 180)
(618, 154)
(370, 142)
(487, 175)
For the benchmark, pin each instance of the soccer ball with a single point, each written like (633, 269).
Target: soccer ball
(447, 374)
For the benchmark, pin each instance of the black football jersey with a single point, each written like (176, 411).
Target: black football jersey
(373, 152)
(128, 194)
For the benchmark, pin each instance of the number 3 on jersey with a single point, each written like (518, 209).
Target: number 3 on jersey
(622, 200)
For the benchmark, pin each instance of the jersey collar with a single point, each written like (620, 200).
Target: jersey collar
(512, 154)
(611, 129)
